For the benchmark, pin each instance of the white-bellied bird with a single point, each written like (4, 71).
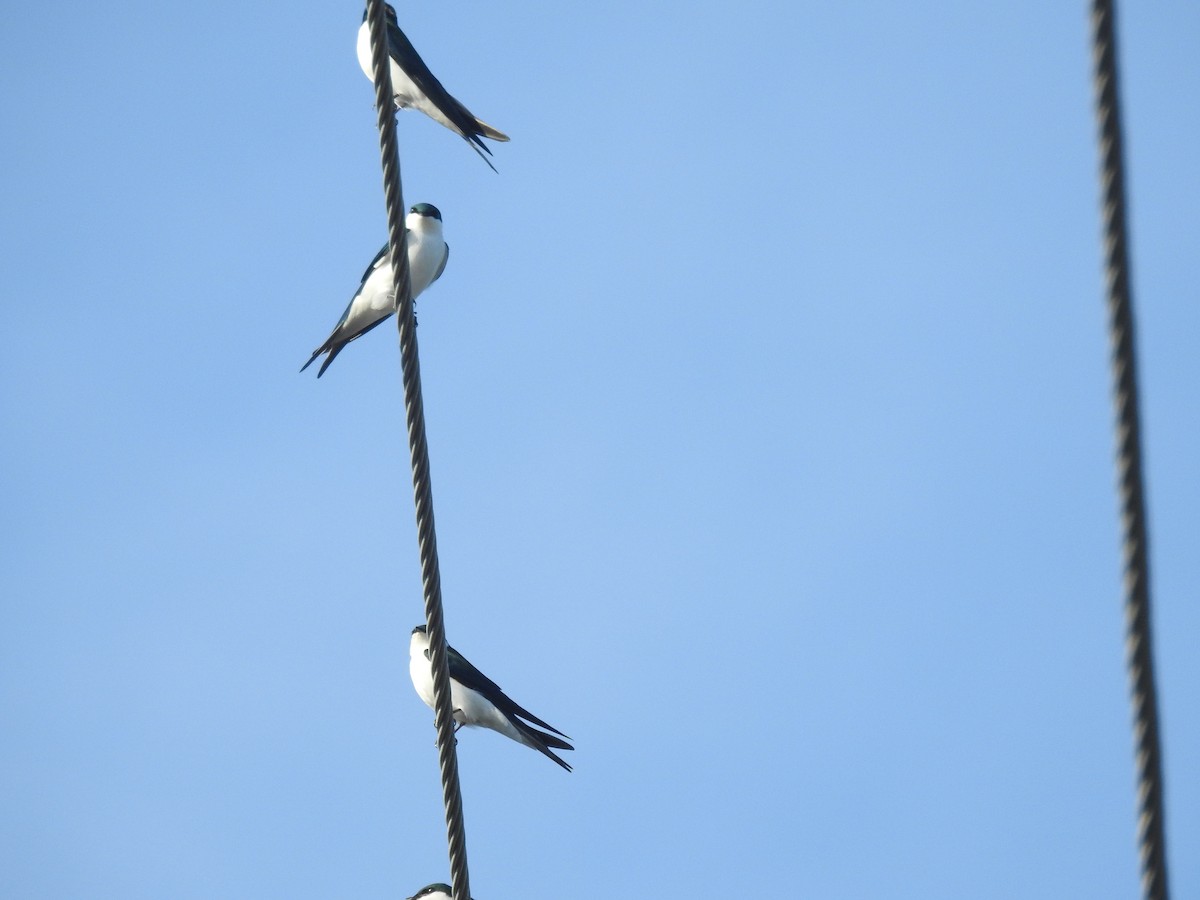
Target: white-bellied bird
(437, 891)
(478, 701)
(375, 299)
(415, 87)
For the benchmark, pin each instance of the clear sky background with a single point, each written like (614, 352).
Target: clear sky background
(768, 404)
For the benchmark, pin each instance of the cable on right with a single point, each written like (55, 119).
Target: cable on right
(1139, 655)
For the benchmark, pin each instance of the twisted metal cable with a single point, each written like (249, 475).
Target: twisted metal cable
(1138, 649)
(419, 451)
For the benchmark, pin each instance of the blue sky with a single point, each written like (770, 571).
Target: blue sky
(768, 406)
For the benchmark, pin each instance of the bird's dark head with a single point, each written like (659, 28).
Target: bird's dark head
(437, 888)
(420, 628)
(390, 12)
(427, 209)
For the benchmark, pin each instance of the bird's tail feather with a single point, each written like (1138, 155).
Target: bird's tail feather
(489, 132)
(481, 148)
(551, 741)
(328, 347)
(542, 742)
(528, 716)
(333, 352)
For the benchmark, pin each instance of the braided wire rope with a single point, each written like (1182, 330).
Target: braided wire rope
(414, 409)
(1138, 650)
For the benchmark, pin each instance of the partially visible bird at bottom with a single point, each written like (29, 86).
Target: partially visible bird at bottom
(436, 891)
(478, 701)
(375, 299)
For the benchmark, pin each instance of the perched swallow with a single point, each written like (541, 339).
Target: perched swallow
(477, 700)
(375, 299)
(415, 87)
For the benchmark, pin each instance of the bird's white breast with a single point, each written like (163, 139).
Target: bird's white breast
(405, 92)
(376, 297)
(419, 669)
(470, 707)
(426, 249)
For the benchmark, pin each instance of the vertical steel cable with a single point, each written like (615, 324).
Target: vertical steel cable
(419, 451)
(1138, 650)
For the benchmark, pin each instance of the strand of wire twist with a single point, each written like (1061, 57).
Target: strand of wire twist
(1138, 649)
(419, 451)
